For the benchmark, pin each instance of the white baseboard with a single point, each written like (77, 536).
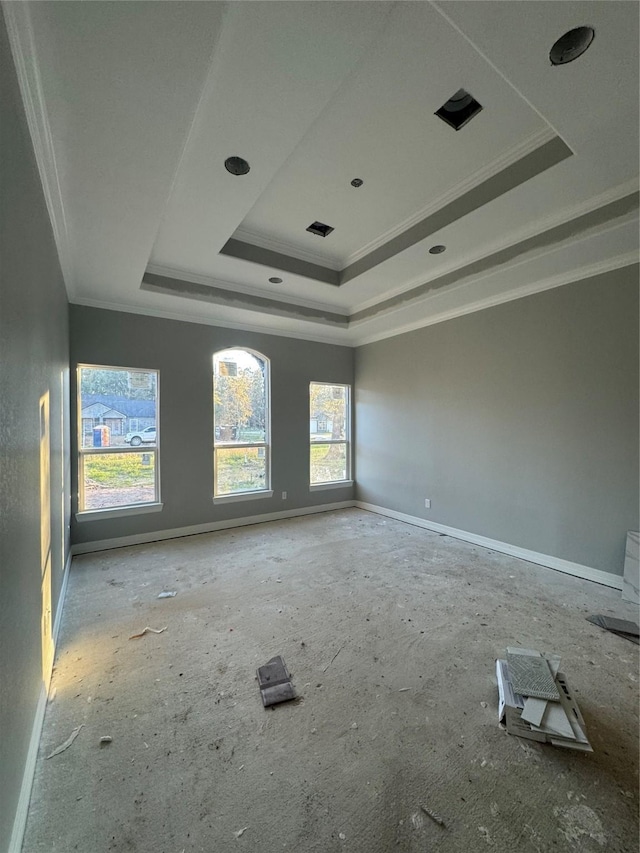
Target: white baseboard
(209, 527)
(22, 809)
(61, 599)
(20, 820)
(546, 560)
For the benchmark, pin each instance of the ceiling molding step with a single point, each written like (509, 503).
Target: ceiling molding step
(511, 155)
(275, 260)
(596, 221)
(546, 223)
(491, 185)
(285, 248)
(577, 274)
(532, 164)
(221, 296)
(199, 319)
(21, 38)
(234, 287)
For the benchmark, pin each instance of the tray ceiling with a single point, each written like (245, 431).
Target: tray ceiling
(134, 107)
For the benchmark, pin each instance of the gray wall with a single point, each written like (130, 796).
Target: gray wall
(33, 360)
(183, 352)
(519, 422)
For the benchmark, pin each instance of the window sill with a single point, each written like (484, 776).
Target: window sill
(338, 484)
(243, 496)
(118, 511)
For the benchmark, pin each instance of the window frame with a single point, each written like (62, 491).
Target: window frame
(218, 444)
(346, 441)
(91, 514)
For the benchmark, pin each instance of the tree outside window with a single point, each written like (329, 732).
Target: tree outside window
(329, 433)
(241, 422)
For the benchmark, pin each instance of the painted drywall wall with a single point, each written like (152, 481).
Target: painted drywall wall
(183, 354)
(33, 364)
(519, 422)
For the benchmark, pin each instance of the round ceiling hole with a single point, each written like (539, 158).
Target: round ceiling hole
(236, 165)
(571, 45)
(437, 250)
(357, 182)
(275, 280)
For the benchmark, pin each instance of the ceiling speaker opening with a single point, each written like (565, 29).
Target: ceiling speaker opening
(571, 45)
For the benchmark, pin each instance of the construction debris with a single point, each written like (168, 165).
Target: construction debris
(434, 816)
(74, 734)
(274, 681)
(147, 630)
(531, 713)
(333, 658)
(622, 627)
(105, 739)
(241, 831)
(171, 594)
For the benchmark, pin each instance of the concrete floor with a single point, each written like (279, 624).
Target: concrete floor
(195, 757)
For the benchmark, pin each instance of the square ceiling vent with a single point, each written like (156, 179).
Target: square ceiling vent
(320, 229)
(459, 109)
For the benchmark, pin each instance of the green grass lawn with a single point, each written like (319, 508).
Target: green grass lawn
(117, 470)
(239, 469)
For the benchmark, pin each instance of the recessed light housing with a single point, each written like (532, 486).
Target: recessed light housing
(571, 45)
(275, 280)
(437, 250)
(459, 109)
(320, 229)
(236, 165)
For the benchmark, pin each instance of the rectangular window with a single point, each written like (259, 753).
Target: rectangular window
(329, 433)
(240, 424)
(117, 437)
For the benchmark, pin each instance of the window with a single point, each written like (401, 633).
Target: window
(329, 433)
(117, 438)
(241, 462)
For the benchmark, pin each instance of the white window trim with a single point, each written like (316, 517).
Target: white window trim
(266, 444)
(243, 496)
(334, 484)
(316, 487)
(126, 509)
(118, 511)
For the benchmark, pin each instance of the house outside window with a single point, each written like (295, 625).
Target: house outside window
(117, 438)
(241, 424)
(329, 433)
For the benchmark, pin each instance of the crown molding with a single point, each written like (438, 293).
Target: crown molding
(232, 287)
(506, 159)
(186, 317)
(285, 248)
(546, 223)
(22, 40)
(549, 283)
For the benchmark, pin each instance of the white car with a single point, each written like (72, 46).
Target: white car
(145, 436)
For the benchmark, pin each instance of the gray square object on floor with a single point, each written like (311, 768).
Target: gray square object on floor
(274, 681)
(530, 675)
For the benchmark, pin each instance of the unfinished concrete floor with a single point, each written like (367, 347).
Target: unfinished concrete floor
(403, 716)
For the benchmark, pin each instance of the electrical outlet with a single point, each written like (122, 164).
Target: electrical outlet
(427, 503)
(284, 496)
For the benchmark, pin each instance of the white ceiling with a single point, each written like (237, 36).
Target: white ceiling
(134, 106)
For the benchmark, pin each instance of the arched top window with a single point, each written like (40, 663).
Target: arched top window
(241, 458)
